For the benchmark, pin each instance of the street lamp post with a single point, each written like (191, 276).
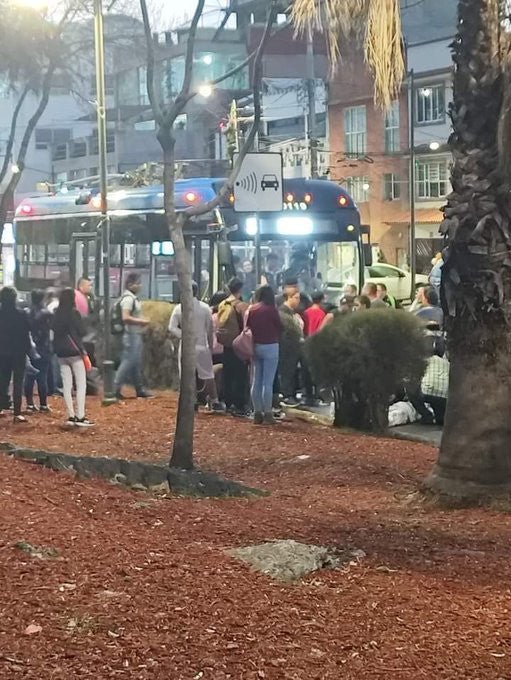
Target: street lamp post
(99, 48)
(411, 125)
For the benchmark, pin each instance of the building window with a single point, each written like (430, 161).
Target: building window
(358, 188)
(430, 104)
(77, 174)
(143, 97)
(432, 179)
(392, 141)
(47, 137)
(355, 130)
(391, 187)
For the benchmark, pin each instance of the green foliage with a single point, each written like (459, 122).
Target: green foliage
(160, 355)
(364, 357)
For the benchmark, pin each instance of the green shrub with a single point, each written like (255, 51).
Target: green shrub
(364, 357)
(160, 352)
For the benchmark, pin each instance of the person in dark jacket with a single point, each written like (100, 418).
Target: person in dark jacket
(291, 341)
(39, 319)
(68, 332)
(15, 345)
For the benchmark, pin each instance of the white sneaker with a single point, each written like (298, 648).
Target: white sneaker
(83, 422)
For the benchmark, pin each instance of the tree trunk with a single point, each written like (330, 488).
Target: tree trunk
(182, 449)
(475, 461)
(475, 454)
(355, 410)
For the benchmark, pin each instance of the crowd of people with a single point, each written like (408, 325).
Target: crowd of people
(51, 344)
(276, 372)
(34, 341)
(249, 353)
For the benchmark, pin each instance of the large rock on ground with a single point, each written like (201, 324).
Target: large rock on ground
(289, 560)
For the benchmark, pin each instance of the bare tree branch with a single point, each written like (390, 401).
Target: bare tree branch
(151, 90)
(20, 158)
(249, 141)
(180, 101)
(12, 132)
(239, 67)
(190, 49)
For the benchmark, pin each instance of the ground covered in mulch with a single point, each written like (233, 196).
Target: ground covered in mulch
(141, 587)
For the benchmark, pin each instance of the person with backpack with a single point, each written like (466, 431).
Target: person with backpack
(127, 320)
(230, 324)
(39, 319)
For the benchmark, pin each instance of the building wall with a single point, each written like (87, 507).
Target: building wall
(62, 112)
(351, 87)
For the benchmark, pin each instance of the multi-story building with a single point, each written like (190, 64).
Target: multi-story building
(64, 146)
(370, 148)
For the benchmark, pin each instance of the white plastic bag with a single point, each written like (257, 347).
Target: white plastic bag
(401, 413)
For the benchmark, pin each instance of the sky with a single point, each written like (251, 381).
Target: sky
(172, 15)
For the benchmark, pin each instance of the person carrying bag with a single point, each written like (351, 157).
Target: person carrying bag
(68, 331)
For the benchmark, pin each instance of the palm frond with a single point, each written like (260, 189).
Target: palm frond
(379, 21)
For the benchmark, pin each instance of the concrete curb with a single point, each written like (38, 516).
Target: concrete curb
(137, 475)
(308, 416)
(417, 438)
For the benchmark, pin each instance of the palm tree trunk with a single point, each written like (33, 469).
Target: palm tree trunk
(182, 449)
(475, 461)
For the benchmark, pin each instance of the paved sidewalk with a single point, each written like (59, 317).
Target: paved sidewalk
(425, 434)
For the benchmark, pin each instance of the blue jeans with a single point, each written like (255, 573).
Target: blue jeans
(130, 368)
(43, 366)
(266, 359)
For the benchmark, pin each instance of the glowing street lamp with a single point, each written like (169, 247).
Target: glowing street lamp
(205, 90)
(434, 146)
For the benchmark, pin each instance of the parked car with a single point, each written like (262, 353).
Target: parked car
(398, 281)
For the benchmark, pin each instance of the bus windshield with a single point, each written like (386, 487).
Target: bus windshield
(325, 266)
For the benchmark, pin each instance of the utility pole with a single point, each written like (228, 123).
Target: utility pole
(311, 109)
(411, 126)
(99, 48)
(257, 76)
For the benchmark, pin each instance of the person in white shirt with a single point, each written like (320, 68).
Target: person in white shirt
(204, 343)
(434, 386)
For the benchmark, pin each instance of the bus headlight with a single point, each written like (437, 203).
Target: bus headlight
(294, 226)
(251, 226)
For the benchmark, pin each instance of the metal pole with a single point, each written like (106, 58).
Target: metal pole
(99, 48)
(311, 114)
(411, 126)
(257, 237)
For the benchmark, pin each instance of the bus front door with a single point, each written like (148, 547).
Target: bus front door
(84, 256)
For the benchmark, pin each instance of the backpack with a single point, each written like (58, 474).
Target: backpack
(116, 322)
(229, 323)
